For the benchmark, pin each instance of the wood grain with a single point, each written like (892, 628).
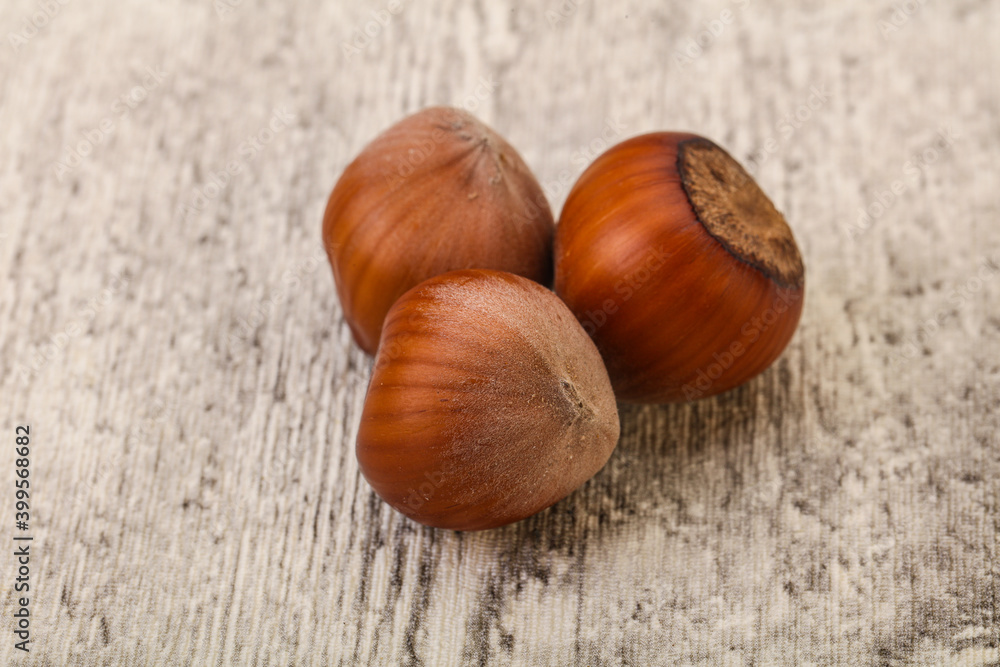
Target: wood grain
(193, 393)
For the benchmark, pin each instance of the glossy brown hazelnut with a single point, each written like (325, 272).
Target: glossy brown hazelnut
(679, 266)
(487, 403)
(438, 191)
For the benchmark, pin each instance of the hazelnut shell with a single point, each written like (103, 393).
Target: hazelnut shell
(488, 403)
(679, 266)
(438, 191)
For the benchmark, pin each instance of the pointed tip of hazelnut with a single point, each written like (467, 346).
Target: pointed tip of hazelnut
(736, 212)
(437, 191)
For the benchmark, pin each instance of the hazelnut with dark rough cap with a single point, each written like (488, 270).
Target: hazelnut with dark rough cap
(681, 269)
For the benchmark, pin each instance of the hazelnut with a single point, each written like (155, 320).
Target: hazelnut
(436, 192)
(488, 403)
(679, 266)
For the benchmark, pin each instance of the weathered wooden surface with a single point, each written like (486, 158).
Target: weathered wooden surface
(193, 392)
